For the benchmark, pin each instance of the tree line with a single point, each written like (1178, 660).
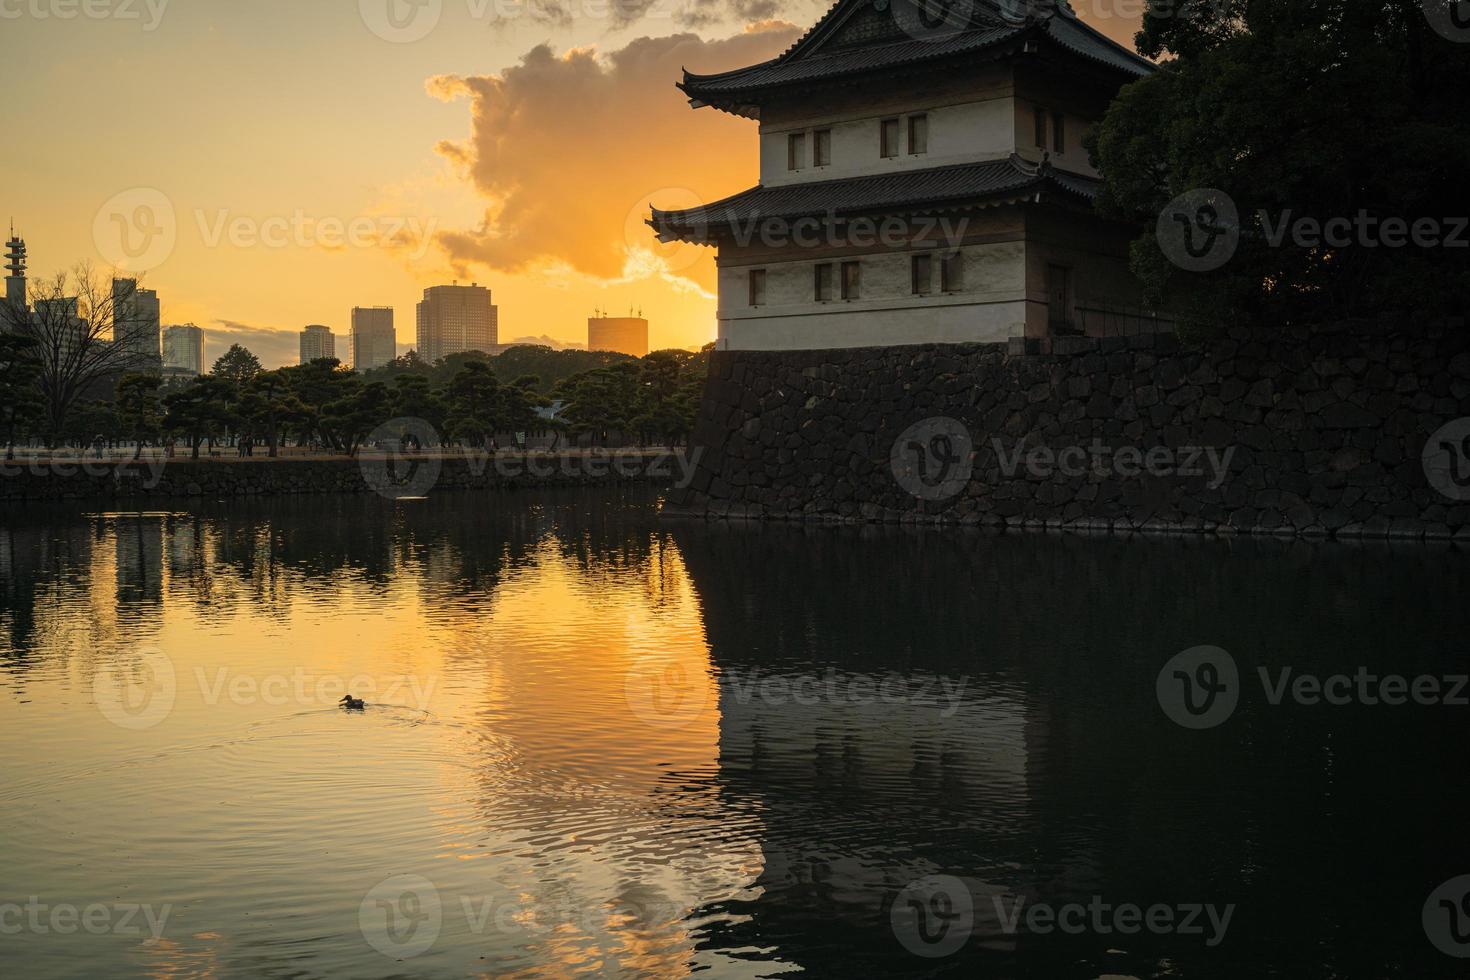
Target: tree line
(466, 398)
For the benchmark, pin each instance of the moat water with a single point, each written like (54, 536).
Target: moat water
(599, 744)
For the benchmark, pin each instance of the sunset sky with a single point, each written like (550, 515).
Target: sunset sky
(321, 155)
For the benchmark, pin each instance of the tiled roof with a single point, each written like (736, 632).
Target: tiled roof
(1076, 36)
(781, 71)
(815, 57)
(939, 187)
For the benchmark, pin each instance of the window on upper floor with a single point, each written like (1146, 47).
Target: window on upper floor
(757, 287)
(795, 151)
(822, 148)
(822, 282)
(1059, 132)
(1040, 128)
(888, 138)
(919, 134)
(952, 272)
(921, 274)
(851, 279)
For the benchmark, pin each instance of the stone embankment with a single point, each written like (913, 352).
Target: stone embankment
(1319, 431)
(406, 475)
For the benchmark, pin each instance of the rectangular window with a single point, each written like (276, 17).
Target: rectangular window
(822, 148)
(822, 283)
(795, 151)
(918, 134)
(921, 274)
(851, 279)
(1040, 128)
(757, 287)
(952, 272)
(888, 138)
(1059, 132)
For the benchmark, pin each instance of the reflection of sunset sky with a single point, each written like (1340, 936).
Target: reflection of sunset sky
(526, 149)
(573, 815)
(526, 781)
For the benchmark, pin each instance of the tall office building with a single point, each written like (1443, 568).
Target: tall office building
(15, 277)
(183, 348)
(374, 341)
(624, 334)
(454, 319)
(317, 342)
(137, 325)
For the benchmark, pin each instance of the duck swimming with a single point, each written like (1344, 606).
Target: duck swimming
(350, 703)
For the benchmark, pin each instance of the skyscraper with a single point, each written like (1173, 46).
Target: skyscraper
(624, 334)
(454, 319)
(374, 341)
(183, 348)
(317, 342)
(137, 325)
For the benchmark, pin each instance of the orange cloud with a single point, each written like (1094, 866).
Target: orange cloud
(568, 149)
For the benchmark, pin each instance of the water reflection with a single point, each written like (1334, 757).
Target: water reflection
(615, 747)
(1059, 778)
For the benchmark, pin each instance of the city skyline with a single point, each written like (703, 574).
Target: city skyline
(377, 329)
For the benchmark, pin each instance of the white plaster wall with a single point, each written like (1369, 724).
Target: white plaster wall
(970, 323)
(966, 132)
(989, 308)
(1072, 159)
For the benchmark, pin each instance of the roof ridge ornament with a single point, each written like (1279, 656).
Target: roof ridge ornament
(1027, 167)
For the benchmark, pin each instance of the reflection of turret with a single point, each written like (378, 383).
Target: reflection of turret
(139, 560)
(15, 268)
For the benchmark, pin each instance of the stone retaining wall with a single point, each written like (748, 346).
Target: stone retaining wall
(1319, 431)
(182, 477)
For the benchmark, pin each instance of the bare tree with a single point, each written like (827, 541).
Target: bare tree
(77, 319)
